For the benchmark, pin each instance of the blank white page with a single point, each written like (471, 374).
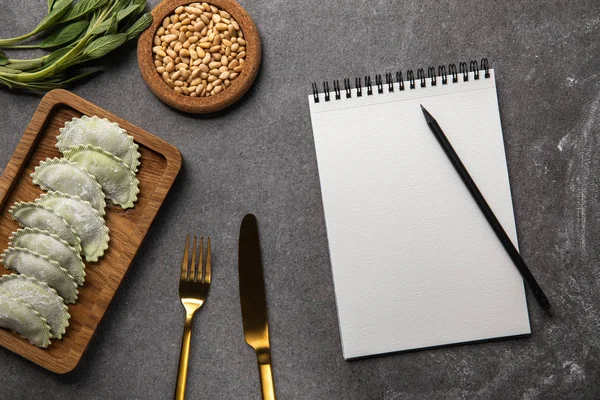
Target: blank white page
(415, 263)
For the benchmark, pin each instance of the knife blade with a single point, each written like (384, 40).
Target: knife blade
(253, 301)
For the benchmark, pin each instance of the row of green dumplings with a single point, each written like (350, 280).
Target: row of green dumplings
(65, 225)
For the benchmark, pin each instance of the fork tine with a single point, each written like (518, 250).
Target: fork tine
(192, 269)
(208, 266)
(199, 268)
(198, 265)
(184, 264)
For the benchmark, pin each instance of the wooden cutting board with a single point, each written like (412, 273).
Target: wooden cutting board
(159, 165)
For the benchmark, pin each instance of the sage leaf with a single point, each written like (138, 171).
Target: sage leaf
(103, 45)
(140, 3)
(64, 35)
(24, 65)
(82, 8)
(139, 26)
(127, 11)
(58, 10)
(3, 58)
(9, 70)
(113, 27)
(56, 54)
(109, 26)
(50, 4)
(119, 5)
(6, 82)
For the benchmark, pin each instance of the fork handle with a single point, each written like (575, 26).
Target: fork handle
(266, 376)
(183, 358)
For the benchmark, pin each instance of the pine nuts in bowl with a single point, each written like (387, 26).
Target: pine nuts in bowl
(199, 57)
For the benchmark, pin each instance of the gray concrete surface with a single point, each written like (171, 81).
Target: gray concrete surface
(259, 157)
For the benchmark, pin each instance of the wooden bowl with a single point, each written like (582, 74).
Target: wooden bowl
(200, 105)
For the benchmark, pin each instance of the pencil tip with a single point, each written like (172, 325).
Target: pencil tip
(428, 116)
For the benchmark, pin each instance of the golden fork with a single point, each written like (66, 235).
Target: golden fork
(193, 291)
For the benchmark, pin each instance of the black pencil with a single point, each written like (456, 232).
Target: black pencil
(487, 211)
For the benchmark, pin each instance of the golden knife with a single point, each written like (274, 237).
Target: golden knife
(254, 302)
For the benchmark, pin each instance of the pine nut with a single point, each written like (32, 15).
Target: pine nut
(199, 50)
(169, 38)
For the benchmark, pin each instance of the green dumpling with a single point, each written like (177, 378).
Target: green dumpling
(84, 220)
(102, 133)
(41, 297)
(27, 262)
(33, 215)
(53, 247)
(20, 317)
(118, 182)
(64, 176)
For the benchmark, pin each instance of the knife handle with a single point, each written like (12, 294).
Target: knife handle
(266, 375)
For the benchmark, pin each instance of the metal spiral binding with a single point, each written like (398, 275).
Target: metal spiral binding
(485, 66)
(431, 75)
(347, 88)
(399, 79)
(475, 67)
(336, 89)
(411, 78)
(379, 83)
(454, 72)
(368, 85)
(421, 76)
(390, 81)
(462, 68)
(442, 72)
(315, 91)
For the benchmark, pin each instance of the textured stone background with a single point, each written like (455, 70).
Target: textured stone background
(259, 157)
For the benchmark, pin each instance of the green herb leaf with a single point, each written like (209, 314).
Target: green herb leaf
(56, 54)
(109, 26)
(119, 5)
(3, 58)
(83, 7)
(140, 3)
(103, 45)
(6, 82)
(64, 35)
(9, 70)
(139, 26)
(113, 27)
(24, 65)
(127, 11)
(50, 4)
(58, 10)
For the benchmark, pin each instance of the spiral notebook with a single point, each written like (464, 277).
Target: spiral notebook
(415, 264)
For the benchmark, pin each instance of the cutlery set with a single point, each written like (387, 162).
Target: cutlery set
(193, 290)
